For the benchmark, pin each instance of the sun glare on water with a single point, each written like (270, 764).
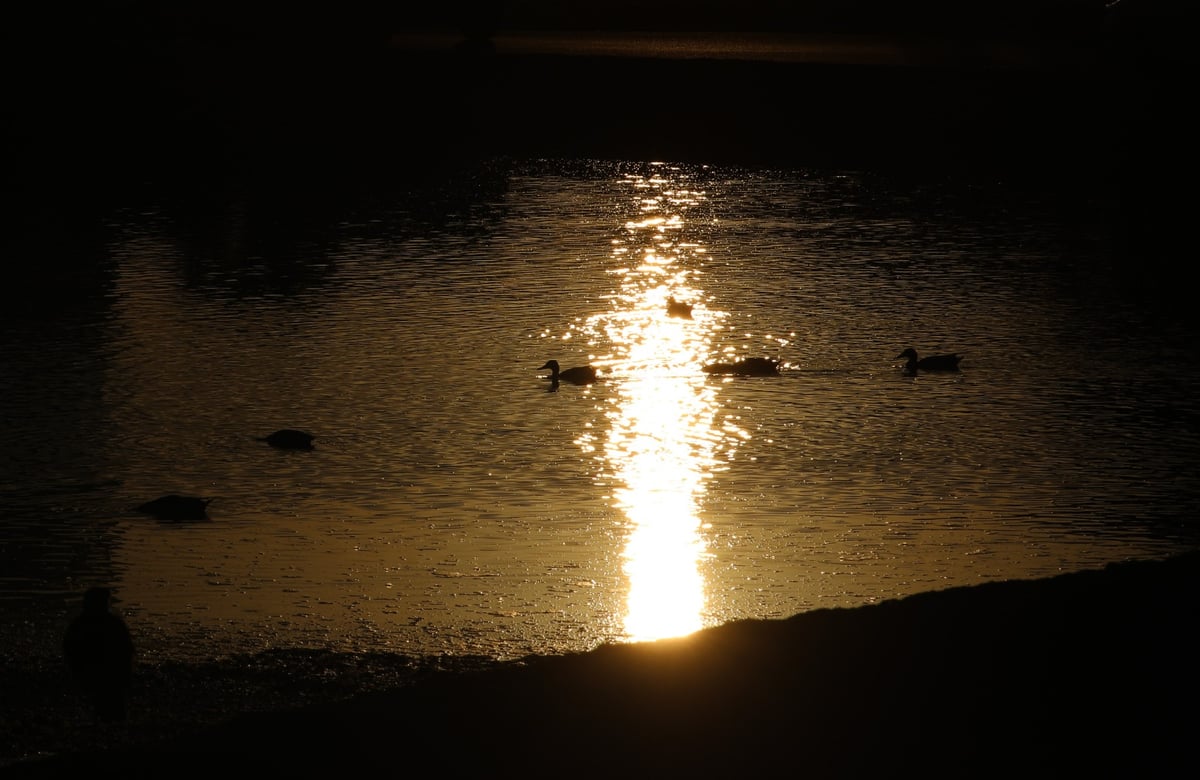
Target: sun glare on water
(661, 440)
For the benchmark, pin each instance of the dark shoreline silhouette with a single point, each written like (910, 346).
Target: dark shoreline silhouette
(1087, 671)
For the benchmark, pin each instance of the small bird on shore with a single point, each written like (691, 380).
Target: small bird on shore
(679, 309)
(289, 439)
(947, 362)
(579, 375)
(751, 366)
(99, 654)
(175, 507)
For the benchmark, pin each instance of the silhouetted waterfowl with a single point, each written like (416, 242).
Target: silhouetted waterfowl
(948, 362)
(99, 654)
(579, 375)
(752, 366)
(679, 309)
(290, 439)
(176, 507)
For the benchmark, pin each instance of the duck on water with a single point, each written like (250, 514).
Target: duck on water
(176, 508)
(289, 439)
(914, 363)
(679, 309)
(751, 366)
(578, 375)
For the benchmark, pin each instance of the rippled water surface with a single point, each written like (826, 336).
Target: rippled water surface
(458, 502)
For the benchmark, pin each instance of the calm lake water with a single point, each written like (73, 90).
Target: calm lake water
(457, 503)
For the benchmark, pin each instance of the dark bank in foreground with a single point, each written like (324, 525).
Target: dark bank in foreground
(1087, 671)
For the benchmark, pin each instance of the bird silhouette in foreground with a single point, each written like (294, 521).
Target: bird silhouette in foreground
(579, 375)
(751, 366)
(948, 362)
(679, 309)
(99, 654)
(289, 439)
(176, 508)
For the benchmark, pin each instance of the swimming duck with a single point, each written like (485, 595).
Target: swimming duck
(174, 507)
(948, 362)
(579, 375)
(751, 366)
(678, 309)
(289, 439)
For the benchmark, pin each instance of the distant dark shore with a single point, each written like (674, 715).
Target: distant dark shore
(107, 109)
(1088, 672)
(102, 103)
(296, 114)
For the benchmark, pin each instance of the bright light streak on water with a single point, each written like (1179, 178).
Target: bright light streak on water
(660, 442)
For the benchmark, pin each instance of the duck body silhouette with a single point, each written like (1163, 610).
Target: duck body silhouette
(175, 508)
(679, 309)
(947, 362)
(289, 439)
(578, 375)
(99, 654)
(751, 366)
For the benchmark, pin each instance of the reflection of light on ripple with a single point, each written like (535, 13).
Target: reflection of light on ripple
(661, 442)
(662, 466)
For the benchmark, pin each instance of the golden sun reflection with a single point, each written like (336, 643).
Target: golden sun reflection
(661, 445)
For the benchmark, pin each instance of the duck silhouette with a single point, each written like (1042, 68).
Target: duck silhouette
(175, 508)
(289, 439)
(579, 375)
(99, 653)
(751, 366)
(679, 309)
(914, 363)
